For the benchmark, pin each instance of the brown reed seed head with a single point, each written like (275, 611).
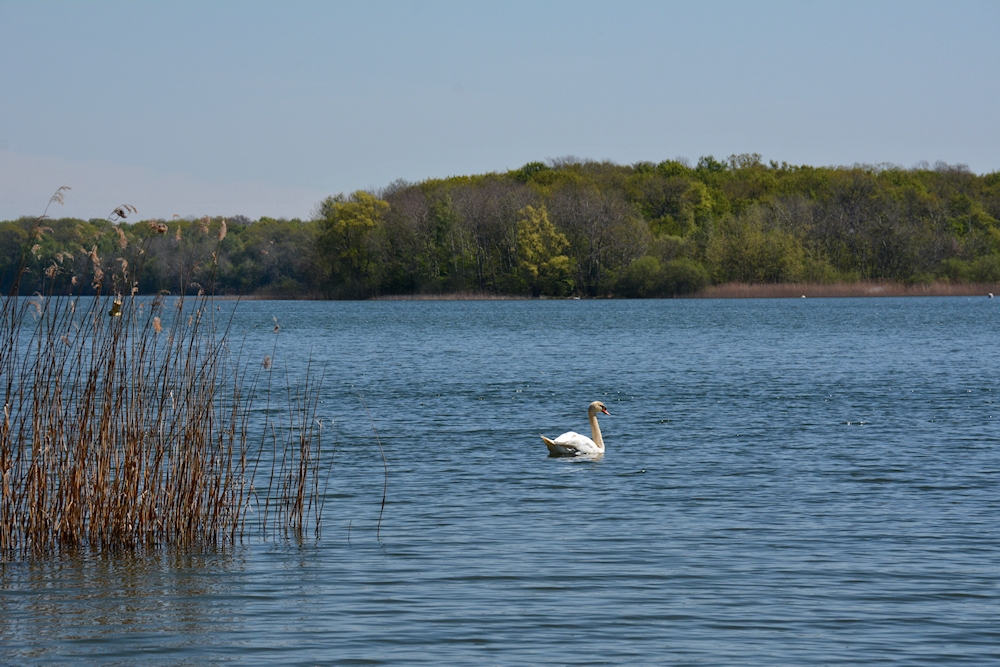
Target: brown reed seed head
(122, 212)
(157, 325)
(57, 197)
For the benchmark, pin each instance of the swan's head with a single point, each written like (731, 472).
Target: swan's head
(596, 407)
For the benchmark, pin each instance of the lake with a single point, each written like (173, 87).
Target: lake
(786, 482)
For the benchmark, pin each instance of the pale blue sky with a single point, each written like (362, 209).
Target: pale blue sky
(263, 108)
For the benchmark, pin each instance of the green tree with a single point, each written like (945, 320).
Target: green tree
(13, 243)
(347, 224)
(528, 171)
(745, 249)
(683, 276)
(642, 279)
(646, 277)
(540, 252)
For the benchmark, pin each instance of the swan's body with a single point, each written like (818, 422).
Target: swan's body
(574, 444)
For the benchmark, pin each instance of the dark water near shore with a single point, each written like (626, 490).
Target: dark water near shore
(786, 482)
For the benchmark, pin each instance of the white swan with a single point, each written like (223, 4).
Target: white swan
(574, 444)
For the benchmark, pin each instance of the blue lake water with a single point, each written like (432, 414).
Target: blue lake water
(787, 482)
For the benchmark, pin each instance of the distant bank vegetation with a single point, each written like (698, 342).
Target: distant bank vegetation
(567, 227)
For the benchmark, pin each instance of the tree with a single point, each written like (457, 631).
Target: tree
(683, 276)
(347, 224)
(528, 171)
(746, 249)
(605, 233)
(488, 212)
(13, 242)
(540, 255)
(642, 279)
(646, 277)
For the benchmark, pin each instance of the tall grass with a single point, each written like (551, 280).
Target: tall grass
(129, 422)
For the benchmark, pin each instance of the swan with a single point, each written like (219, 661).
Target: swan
(574, 444)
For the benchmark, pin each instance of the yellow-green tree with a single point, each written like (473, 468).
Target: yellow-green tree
(540, 255)
(346, 240)
(744, 249)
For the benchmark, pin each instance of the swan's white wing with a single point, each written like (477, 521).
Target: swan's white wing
(574, 442)
(573, 438)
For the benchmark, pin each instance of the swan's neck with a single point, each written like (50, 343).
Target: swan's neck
(595, 431)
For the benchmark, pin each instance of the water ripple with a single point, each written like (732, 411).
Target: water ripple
(786, 482)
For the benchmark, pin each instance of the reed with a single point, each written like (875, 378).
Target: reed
(130, 423)
(855, 289)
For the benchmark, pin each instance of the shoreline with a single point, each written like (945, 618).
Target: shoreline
(723, 291)
(756, 291)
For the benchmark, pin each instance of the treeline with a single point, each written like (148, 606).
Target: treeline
(566, 227)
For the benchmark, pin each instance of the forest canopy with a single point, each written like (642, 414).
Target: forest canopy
(558, 228)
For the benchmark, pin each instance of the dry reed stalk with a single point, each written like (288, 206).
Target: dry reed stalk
(127, 424)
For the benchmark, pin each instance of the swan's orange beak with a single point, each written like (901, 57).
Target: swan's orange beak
(605, 411)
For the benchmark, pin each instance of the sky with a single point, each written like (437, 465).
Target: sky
(265, 108)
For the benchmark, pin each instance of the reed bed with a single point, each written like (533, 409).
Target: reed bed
(129, 422)
(861, 288)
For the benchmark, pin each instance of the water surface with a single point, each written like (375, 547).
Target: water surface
(786, 482)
